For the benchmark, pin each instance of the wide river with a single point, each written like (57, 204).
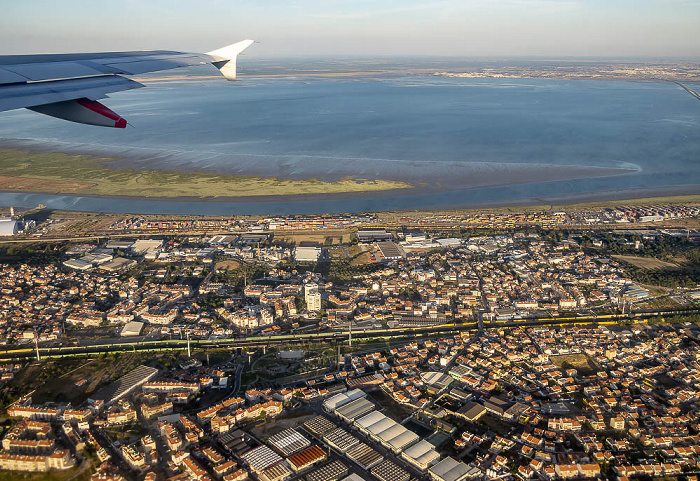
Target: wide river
(472, 141)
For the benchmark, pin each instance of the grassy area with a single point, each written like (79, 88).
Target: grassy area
(48, 476)
(216, 356)
(55, 379)
(127, 433)
(58, 173)
(646, 262)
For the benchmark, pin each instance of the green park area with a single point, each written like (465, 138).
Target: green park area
(58, 173)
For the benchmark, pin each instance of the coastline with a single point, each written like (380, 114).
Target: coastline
(247, 207)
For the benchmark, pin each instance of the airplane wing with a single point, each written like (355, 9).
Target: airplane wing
(68, 86)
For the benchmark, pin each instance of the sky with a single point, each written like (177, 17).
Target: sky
(368, 28)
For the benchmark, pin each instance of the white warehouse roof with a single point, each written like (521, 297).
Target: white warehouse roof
(422, 454)
(132, 328)
(449, 470)
(387, 431)
(338, 400)
(367, 421)
(8, 227)
(378, 428)
(401, 439)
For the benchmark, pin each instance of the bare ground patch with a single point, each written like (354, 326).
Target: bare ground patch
(648, 263)
(582, 363)
(227, 265)
(280, 423)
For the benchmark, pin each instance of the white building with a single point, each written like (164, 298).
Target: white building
(8, 227)
(450, 470)
(422, 455)
(312, 297)
(307, 254)
(132, 329)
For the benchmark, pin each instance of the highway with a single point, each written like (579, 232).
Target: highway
(691, 92)
(256, 342)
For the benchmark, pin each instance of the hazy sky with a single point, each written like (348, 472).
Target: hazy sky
(658, 28)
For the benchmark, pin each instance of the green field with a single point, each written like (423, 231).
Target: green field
(58, 173)
(72, 474)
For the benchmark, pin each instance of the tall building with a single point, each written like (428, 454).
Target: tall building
(312, 297)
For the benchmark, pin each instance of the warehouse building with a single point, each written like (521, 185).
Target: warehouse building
(421, 455)
(133, 328)
(306, 458)
(436, 380)
(118, 264)
(388, 471)
(147, 247)
(471, 411)
(386, 431)
(390, 250)
(365, 381)
(236, 442)
(319, 425)
(124, 385)
(307, 254)
(78, 264)
(355, 409)
(368, 236)
(8, 227)
(289, 441)
(365, 422)
(340, 440)
(332, 471)
(277, 472)
(451, 470)
(364, 456)
(261, 458)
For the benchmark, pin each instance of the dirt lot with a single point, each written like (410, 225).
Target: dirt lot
(227, 265)
(646, 262)
(580, 362)
(282, 422)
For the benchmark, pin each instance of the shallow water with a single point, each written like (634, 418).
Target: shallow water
(432, 129)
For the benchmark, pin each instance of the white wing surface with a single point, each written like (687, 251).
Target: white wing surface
(68, 86)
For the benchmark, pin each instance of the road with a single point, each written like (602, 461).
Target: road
(691, 92)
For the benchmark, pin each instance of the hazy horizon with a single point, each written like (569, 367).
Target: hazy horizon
(360, 28)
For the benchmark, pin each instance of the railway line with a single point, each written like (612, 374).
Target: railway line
(257, 342)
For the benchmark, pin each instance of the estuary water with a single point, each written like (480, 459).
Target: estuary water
(466, 142)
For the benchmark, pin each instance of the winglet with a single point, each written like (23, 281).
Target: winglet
(225, 58)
